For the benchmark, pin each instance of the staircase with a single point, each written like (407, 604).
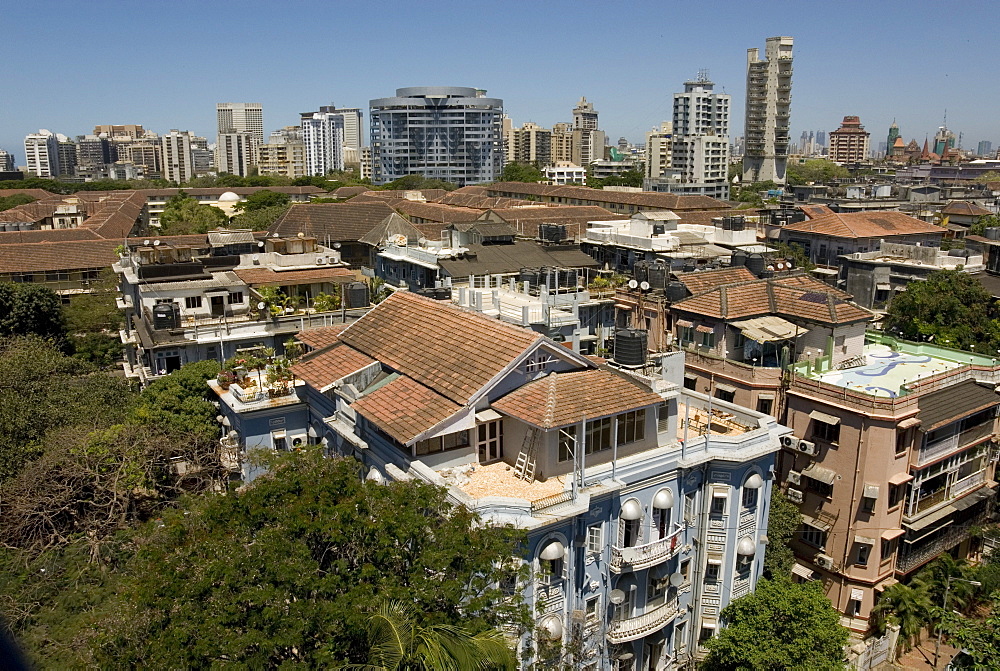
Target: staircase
(524, 468)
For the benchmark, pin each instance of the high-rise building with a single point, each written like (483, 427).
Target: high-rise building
(440, 132)
(178, 164)
(849, 143)
(284, 153)
(6, 161)
(700, 143)
(131, 131)
(323, 136)
(944, 140)
(241, 118)
(147, 153)
(236, 153)
(659, 143)
(890, 141)
(67, 156)
(529, 144)
(94, 150)
(769, 97)
(985, 148)
(820, 139)
(588, 141)
(562, 143)
(41, 154)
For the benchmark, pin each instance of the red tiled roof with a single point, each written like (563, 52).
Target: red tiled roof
(642, 199)
(321, 337)
(37, 194)
(323, 368)
(697, 283)
(864, 225)
(68, 255)
(404, 408)
(266, 276)
(813, 211)
(453, 351)
(435, 211)
(962, 207)
(560, 399)
(52, 235)
(342, 222)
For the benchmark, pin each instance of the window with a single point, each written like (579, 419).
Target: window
(903, 440)
(663, 418)
(686, 570)
(708, 339)
(631, 426)
(854, 608)
(725, 394)
(90, 274)
(867, 505)
(661, 523)
(598, 435)
(887, 548)
(679, 634)
(687, 334)
(750, 496)
(656, 590)
(192, 302)
(56, 276)
(821, 488)
(593, 609)
(441, 443)
(278, 440)
(22, 278)
(629, 532)
(719, 500)
(713, 569)
(567, 443)
(864, 552)
(813, 536)
(690, 382)
(828, 432)
(765, 405)
(689, 510)
(895, 495)
(235, 297)
(595, 538)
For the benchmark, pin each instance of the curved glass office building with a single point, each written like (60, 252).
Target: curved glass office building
(440, 132)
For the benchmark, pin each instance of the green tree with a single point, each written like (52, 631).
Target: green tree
(274, 574)
(984, 222)
(979, 639)
(815, 170)
(183, 215)
(989, 176)
(908, 606)
(521, 172)
(93, 320)
(780, 624)
(31, 309)
(181, 401)
(783, 521)
(263, 219)
(327, 302)
(951, 307)
(398, 642)
(13, 200)
(260, 200)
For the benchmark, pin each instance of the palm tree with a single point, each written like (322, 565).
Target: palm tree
(936, 574)
(397, 642)
(908, 606)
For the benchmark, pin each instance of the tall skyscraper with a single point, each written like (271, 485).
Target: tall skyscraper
(440, 132)
(175, 150)
(235, 153)
(130, 131)
(944, 140)
(849, 143)
(985, 148)
(241, 118)
(890, 140)
(41, 153)
(529, 144)
(700, 143)
(6, 161)
(332, 138)
(769, 97)
(588, 140)
(284, 153)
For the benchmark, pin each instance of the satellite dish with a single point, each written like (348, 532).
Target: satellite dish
(676, 579)
(146, 242)
(256, 258)
(616, 597)
(156, 243)
(260, 244)
(644, 286)
(632, 284)
(261, 305)
(274, 235)
(336, 245)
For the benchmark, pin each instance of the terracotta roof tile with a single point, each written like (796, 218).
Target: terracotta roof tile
(266, 276)
(435, 211)
(342, 222)
(813, 211)
(37, 194)
(648, 199)
(404, 408)
(864, 225)
(323, 368)
(68, 255)
(696, 283)
(560, 399)
(321, 337)
(967, 209)
(454, 351)
(52, 235)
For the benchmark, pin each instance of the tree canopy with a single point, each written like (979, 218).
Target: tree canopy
(262, 199)
(13, 200)
(783, 521)
(31, 309)
(184, 215)
(521, 172)
(814, 170)
(779, 624)
(951, 308)
(262, 219)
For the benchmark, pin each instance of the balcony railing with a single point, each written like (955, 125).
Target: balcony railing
(643, 556)
(630, 628)
(921, 553)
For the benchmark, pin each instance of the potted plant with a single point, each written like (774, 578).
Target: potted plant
(226, 378)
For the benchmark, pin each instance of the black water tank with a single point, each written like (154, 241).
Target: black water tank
(657, 275)
(676, 291)
(756, 263)
(630, 347)
(641, 271)
(688, 266)
(739, 258)
(357, 295)
(166, 316)
(527, 275)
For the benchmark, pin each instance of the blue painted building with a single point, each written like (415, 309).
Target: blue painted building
(645, 504)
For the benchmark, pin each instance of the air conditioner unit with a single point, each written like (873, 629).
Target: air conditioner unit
(320, 260)
(795, 495)
(824, 561)
(807, 447)
(794, 477)
(789, 441)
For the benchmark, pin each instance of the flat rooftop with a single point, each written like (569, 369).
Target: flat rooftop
(498, 479)
(723, 422)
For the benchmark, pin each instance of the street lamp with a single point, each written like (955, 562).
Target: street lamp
(947, 587)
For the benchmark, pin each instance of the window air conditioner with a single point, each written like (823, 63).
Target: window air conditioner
(795, 495)
(807, 447)
(789, 441)
(824, 561)
(794, 477)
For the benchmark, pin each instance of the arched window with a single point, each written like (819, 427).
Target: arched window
(751, 490)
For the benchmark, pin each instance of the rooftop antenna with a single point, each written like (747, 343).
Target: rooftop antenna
(703, 75)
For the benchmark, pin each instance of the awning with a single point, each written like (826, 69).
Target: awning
(278, 434)
(713, 560)
(817, 524)
(802, 571)
(889, 534)
(767, 329)
(817, 472)
(684, 323)
(690, 376)
(701, 328)
(622, 306)
(864, 540)
(857, 594)
(488, 415)
(883, 286)
(709, 623)
(870, 491)
(825, 418)
(908, 423)
(766, 395)
(900, 478)
(930, 519)
(719, 494)
(726, 388)
(973, 498)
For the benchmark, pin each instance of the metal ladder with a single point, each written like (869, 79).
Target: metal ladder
(524, 468)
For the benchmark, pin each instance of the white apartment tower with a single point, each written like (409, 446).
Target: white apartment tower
(323, 136)
(241, 118)
(41, 153)
(700, 143)
(177, 162)
(588, 141)
(769, 97)
(236, 153)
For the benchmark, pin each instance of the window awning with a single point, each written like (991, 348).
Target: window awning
(690, 376)
(870, 491)
(824, 417)
(857, 594)
(908, 423)
(803, 571)
(930, 519)
(767, 329)
(726, 388)
(972, 499)
(766, 395)
(900, 478)
(278, 434)
(720, 494)
(889, 534)
(709, 623)
(864, 540)
(488, 415)
(684, 323)
(713, 560)
(625, 308)
(817, 472)
(701, 328)
(883, 286)
(817, 524)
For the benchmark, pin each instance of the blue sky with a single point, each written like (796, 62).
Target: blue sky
(164, 65)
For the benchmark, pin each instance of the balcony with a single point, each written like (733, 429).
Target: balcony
(640, 557)
(630, 628)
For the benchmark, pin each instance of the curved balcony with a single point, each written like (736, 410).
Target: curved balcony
(639, 557)
(630, 628)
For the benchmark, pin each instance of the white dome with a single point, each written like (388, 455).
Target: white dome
(229, 197)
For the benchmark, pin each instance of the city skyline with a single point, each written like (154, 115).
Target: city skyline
(630, 83)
